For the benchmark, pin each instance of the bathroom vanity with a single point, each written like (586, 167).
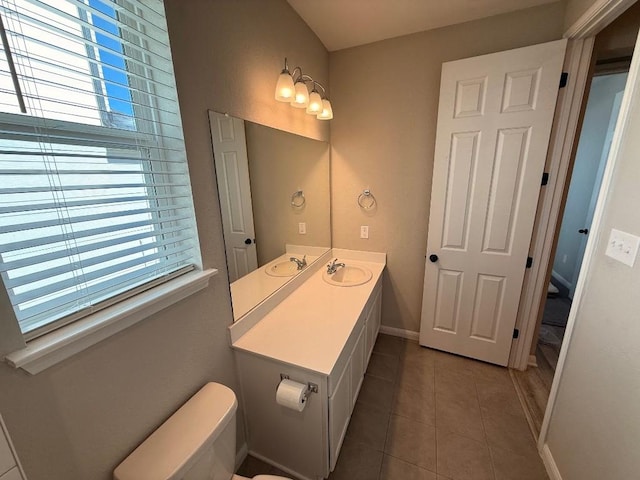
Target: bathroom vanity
(320, 335)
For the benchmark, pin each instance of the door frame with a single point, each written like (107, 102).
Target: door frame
(608, 141)
(581, 36)
(631, 92)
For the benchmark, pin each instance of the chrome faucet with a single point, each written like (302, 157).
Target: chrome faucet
(333, 266)
(301, 263)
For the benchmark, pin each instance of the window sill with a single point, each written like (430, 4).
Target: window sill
(44, 352)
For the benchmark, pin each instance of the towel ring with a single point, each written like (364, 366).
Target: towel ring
(297, 199)
(366, 200)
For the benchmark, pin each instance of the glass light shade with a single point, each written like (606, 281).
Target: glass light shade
(315, 103)
(284, 87)
(327, 111)
(301, 98)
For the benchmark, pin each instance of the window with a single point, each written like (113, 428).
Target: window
(95, 199)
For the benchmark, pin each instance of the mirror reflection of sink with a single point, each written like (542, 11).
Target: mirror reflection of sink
(285, 268)
(349, 276)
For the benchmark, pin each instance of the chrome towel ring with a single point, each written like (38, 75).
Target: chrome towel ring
(366, 200)
(297, 199)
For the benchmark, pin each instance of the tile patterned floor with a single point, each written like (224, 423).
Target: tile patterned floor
(428, 415)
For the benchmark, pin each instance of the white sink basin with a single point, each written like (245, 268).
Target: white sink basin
(285, 268)
(349, 276)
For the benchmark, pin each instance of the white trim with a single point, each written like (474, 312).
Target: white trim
(399, 332)
(533, 361)
(597, 17)
(559, 278)
(577, 61)
(56, 346)
(550, 463)
(245, 323)
(18, 465)
(631, 91)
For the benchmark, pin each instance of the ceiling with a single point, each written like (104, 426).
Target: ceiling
(347, 23)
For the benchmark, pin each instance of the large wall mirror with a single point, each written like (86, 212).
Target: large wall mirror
(275, 203)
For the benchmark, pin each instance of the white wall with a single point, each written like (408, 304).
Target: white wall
(595, 425)
(80, 418)
(583, 180)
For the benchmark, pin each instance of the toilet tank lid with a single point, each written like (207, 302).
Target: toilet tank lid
(168, 450)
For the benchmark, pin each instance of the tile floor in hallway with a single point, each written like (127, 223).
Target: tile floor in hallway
(427, 415)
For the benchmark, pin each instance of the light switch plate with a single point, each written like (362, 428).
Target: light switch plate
(302, 228)
(364, 231)
(623, 247)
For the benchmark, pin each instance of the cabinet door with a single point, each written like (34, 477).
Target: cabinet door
(373, 324)
(339, 414)
(358, 366)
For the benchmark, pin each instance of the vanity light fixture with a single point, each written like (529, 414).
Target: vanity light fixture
(292, 88)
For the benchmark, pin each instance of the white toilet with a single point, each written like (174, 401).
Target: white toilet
(198, 442)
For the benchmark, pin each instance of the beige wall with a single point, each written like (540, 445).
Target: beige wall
(280, 163)
(595, 424)
(575, 9)
(236, 51)
(385, 98)
(78, 419)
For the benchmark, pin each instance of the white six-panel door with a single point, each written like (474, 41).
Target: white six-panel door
(494, 122)
(234, 190)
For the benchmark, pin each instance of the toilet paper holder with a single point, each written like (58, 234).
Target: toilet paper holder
(311, 387)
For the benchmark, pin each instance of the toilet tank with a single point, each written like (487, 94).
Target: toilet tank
(196, 442)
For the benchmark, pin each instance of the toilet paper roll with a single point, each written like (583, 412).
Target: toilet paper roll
(291, 394)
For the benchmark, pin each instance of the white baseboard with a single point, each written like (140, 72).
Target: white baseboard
(550, 463)
(560, 279)
(241, 455)
(533, 361)
(399, 332)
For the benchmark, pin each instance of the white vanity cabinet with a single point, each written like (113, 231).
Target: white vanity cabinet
(307, 444)
(346, 390)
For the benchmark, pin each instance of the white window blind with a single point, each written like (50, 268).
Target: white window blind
(95, 199)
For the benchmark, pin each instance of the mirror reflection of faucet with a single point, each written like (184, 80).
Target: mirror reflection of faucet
(301, 263)
(333, 266)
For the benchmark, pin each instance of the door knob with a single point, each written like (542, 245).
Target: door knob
(433, 258)
(247, 241)
(583, 230)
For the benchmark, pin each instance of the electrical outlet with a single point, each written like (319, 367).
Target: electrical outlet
(364, 231)
(622, 247)
(302, 228)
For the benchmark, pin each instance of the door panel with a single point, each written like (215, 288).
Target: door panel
(464, 149)
(448, 300)
(494, 121)
(506, 189)
(232, 170)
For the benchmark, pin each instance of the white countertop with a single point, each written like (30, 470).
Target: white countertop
(310, 327)
(248, 291)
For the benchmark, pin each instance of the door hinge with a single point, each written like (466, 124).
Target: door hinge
(564, 79)
(529, 262)
(545, 179)
(516, 333)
